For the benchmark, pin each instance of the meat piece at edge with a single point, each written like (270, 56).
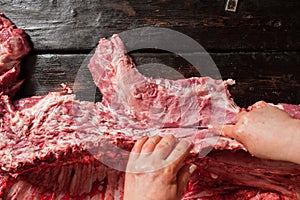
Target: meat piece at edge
(13, 46)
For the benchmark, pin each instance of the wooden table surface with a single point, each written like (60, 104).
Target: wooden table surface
(258, 45)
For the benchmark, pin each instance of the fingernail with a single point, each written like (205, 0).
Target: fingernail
(192, 168)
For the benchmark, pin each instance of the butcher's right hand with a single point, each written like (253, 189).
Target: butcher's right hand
(267, 132)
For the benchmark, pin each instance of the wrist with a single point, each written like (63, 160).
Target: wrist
(293, 146)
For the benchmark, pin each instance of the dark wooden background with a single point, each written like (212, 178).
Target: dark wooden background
(258, 45)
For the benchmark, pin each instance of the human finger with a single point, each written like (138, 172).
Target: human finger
(165, 146)
(179, 153)
(136, 150)
(150, 144)
(228, 131)
(138, 145)
(223, 130)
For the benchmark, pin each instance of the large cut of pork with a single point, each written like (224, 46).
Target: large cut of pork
(57, 147)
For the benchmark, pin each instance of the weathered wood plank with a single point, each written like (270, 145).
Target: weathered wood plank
(77, 25)
(273, 77)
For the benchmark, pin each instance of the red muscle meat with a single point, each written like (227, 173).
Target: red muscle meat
(13, 46)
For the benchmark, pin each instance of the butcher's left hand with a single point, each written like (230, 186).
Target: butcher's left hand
(155, 170)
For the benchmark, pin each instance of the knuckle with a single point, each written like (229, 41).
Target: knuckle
(164, 144)
(155, 138)
(152, 141)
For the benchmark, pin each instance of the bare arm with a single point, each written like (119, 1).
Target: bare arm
(267, 132)
(294, 150)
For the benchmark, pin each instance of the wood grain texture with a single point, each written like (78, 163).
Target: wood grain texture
(76, 25)
(273, 77)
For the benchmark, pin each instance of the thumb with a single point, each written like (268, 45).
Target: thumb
(226, 130)
(183, 177)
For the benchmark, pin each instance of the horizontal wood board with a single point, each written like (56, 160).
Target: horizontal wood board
(75, 25)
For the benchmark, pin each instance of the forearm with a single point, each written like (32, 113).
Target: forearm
(293, 153)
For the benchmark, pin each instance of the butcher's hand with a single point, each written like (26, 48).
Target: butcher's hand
(267, 132)
(155, 170)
